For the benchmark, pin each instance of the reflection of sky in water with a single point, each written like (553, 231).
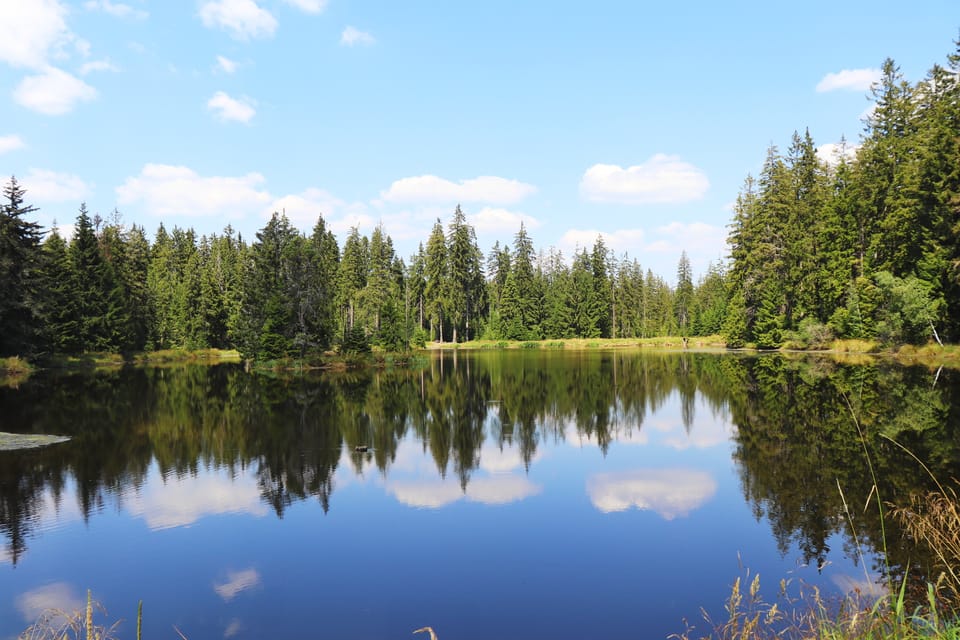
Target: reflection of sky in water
(665, 428)
(58, 596)
(236, 583)
(670, 493)
(648, 528)
(179, 502)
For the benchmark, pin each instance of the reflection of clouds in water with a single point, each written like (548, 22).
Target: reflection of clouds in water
(179, 502)
(493, 459)
(57, 595)
(668, 492)
(633, 435)
(501, 489)
(233, 628)
(870, 586)
(425, 493)
(704, 433)
(237, 582)
(710, 428)
(433, 494)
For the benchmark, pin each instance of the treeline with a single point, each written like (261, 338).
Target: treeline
(288, 294)
(868, 247)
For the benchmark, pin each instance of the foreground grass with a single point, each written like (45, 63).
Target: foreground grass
(810, 616)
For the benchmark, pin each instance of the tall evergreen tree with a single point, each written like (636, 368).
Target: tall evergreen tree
(19, 272)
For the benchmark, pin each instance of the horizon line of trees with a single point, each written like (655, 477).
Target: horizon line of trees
(868, 247)
(289, 294)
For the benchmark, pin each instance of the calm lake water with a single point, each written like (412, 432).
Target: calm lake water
(532, 494)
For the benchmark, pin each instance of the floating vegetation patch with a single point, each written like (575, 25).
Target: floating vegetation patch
(14, 441)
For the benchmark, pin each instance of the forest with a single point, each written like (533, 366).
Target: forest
(863, 245)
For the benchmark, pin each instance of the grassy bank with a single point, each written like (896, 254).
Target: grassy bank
(148, 358)
(853, 351)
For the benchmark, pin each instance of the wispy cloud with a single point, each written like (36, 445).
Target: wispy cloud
(11, 143)
(352, 36)
(226, 64)
(97, 65)
(116, 9)
(308, 6)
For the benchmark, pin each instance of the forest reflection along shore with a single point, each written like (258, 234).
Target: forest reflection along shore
(794, 436)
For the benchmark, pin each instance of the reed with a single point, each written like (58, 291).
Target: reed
(81, 624)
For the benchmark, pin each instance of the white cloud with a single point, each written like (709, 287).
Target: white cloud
(168, 190)
(429, 188)
(58, 596)
(661, 179)
(118, 10)
(11, 143)
(308, 6)
(54, 92)
(831, 153)
(29, 30)
(352, 36)
(630, 240)
(305, 208)
(849, 80)
(670, 493)
(97, 65)
(236, 583)
(703, 242)
(242, 19)
(228, 109)
(50, 186)
(498, 220)
(226, 64)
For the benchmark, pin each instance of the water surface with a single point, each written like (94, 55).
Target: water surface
(520, 494)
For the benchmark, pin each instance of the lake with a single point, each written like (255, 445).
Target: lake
(538, 494)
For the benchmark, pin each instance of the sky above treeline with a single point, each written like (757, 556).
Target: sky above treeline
(635, 120)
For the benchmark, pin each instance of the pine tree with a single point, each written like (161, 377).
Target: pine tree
(19, 270)
(436, 289)
(60, 315)
(683, 297)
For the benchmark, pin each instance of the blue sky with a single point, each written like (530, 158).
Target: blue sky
(632, 119)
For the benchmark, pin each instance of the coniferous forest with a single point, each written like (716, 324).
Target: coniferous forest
(864, 246)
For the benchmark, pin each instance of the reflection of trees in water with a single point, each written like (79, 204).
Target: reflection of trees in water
(796, 437)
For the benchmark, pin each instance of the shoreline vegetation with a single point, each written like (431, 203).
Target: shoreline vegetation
(15, 370)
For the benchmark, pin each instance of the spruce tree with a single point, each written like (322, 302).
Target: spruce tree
(19, 272)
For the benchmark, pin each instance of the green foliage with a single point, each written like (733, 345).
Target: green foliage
(20, 259)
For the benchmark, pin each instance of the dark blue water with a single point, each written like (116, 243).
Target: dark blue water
(503, 495)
